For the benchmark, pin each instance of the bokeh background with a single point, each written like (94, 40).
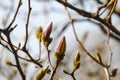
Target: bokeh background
(45, 11)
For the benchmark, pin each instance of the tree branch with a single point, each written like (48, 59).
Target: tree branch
(91, 15)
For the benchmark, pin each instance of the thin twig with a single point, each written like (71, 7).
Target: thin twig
(91, 15)
(106, 69)
(110, 56)
(107, 73)
(71, 74)
(116, 10)
(39, 51)
(113, 8)
(48, 57)
(7, 34)
(19, 5)
(88, 20)
(108, 47)
(16, 57)
(32, 60)
(79, 42)
(54, 70)
(27, 23)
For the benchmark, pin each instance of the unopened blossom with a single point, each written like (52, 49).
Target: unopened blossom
(76, 61)
(47, 31)
(39, 33)
(60, 49)
(46, 40)
(41, 73)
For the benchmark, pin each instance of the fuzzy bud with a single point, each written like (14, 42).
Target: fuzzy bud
(61, 48)
(39, 33)
(46, 40)
(8, 63)
(76, 62)
(47, 31)
(41, 73)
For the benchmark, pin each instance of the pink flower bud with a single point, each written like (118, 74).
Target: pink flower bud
(61, 47)
(47, 31)
(60, 50)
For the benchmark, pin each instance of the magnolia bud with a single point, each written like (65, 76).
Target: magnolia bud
(60, 50)
(47, 31)
(76, 62)
(41, 73)
(8, 63)
(46, 40)
(39, 33)
(114, 72)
